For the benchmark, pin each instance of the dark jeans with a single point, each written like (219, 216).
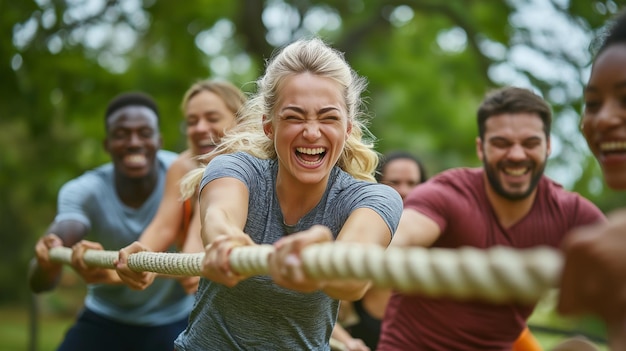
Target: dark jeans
(93, 332)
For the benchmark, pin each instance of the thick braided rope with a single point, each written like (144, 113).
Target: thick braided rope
(247, 260)
(498, 274)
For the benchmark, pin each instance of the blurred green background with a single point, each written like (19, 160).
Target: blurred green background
(429, 63)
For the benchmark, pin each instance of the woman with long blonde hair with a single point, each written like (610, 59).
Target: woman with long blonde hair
(295, 171)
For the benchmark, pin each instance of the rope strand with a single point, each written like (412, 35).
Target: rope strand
(499, 274)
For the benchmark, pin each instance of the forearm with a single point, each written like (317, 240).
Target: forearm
(163, 231)
(41, 280)
(217, 222)
(346, 290)
(340, 334)
(156, 240)
(193, 240)
(44, 275)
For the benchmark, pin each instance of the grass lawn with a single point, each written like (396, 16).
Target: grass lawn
(57, 311)
(14, 330)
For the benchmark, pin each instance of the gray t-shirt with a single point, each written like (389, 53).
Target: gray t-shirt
(92, 200)
(257, 314)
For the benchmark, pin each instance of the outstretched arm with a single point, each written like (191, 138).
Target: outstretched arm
(44, 274)
(223, 215)
(193, 243)
(415, 229)
(348, 342)
(165, 229)
(166, 226)
(364, 226)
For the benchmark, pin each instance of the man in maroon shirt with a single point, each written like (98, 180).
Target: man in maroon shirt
(506, 202)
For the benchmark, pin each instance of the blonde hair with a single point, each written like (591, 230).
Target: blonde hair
(231, 95)
(306, 55)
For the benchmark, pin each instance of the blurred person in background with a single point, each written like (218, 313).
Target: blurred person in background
(111, 206)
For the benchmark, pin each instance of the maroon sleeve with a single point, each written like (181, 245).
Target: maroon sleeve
(587, 213)
(431, 199)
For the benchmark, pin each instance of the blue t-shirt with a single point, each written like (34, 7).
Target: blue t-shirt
(92, 200)
(257, 314)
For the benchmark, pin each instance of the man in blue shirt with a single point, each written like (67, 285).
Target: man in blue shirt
(111, 206)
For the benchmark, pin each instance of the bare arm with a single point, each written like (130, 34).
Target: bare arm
(193, 241)
(166, 225)
(415, 229)
(164, 230)
(44, 274)
(349, 343)
(223, 208)
(223, 215)
(363, 226)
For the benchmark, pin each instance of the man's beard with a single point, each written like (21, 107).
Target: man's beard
(492, 176)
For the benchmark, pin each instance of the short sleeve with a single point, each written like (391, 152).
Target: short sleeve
(72, 201)
(383, 200)
(432, 200)
(238, 165)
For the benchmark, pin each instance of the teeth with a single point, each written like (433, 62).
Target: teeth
(311, 151)
(309, 162)
(613, 146)
(515, 171)
(135, 158)
(206, 143)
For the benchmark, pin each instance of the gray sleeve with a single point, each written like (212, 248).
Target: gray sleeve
(236, 165)
(380, 198)
(73, 199)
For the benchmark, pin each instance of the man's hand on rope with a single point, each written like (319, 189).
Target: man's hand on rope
(216, 262)
(90, 274)
(44, 244)
(285, 263)
(135, 280)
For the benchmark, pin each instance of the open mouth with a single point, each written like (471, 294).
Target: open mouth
(135, 160)
(516, 171)
(613, 147)
(206, 145)
(310, 156)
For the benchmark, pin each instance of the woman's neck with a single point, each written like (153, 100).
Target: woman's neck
(297, 199)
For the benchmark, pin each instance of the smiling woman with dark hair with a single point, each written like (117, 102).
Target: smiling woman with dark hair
(594, 275)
